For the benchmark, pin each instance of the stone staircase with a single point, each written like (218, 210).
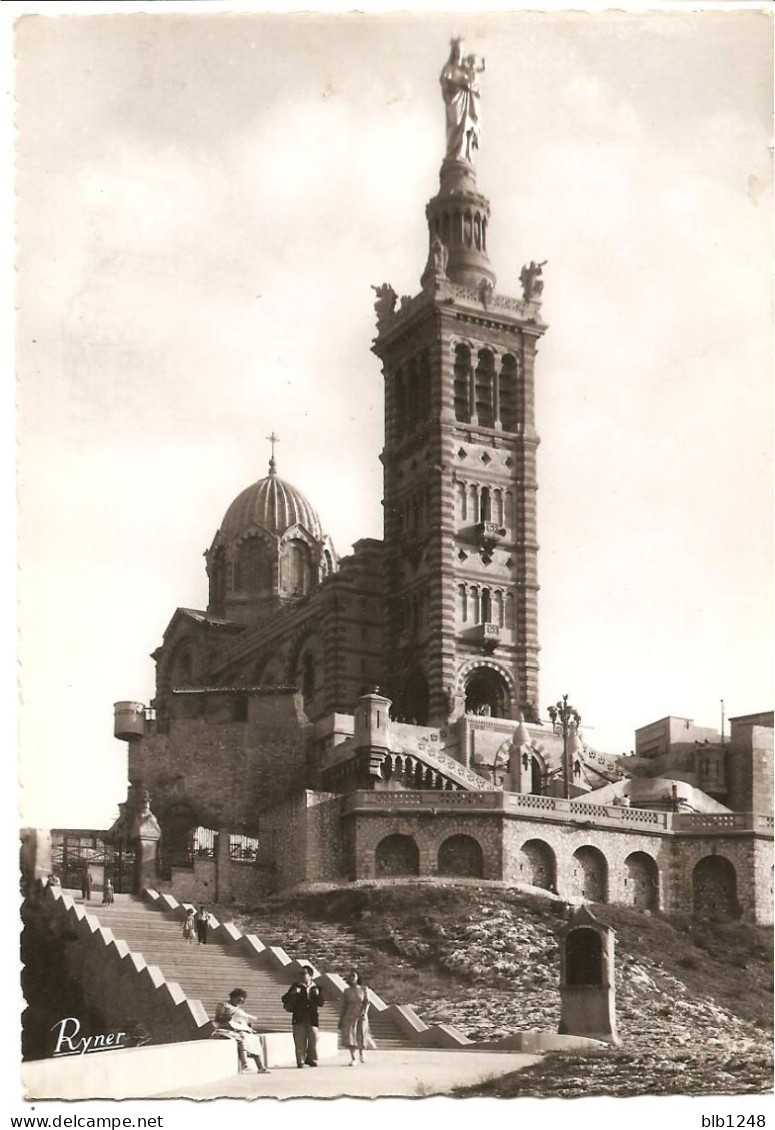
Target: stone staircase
(208, 973)
(132, 961)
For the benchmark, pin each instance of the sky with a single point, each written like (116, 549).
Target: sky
(203, 204)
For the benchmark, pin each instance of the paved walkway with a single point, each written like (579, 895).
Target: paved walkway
(415, 1072)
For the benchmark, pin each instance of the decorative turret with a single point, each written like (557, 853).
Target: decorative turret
(459, 218)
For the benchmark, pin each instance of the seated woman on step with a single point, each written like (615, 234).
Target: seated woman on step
(233, 1023)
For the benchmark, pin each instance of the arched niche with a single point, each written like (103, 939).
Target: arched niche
(461, 856)
(396, 856)
(642, 881)
(714, 887)
(539, 865)
(590, 874)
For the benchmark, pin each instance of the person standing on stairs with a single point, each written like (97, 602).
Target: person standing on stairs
(202, 921)
(189, 926)
(233, 1023)
(303, 1000)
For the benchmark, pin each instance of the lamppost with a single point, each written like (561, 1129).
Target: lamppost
(566, 721)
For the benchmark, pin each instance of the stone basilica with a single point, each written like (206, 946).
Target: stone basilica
(377, 715)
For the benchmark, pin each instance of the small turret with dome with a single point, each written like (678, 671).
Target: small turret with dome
(270, 550)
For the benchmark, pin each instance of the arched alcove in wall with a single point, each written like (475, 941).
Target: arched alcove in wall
(590, 874)
(396, 855)
(461, 855)
(714, 887)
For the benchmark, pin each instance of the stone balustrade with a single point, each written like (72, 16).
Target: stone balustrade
(557, 809)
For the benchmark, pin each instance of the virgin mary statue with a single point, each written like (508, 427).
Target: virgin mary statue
(460, 90)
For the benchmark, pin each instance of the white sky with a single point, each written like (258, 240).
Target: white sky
(204, 202)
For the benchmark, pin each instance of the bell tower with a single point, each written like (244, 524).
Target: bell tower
(461, 632)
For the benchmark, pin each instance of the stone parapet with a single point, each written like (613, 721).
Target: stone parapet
(559, 810)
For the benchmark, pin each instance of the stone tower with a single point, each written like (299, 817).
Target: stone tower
(459, 460)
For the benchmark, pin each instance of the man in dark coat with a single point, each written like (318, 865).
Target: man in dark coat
(303, 1000)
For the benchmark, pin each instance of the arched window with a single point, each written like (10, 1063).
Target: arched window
(507, 381)
(296, 569)
(462, 377)
(485, 376)
(254, 561)
(484, 505)
(486, 607)
(462, 603)
(537, 777)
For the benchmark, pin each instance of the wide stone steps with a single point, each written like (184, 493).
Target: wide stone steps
(208, 973)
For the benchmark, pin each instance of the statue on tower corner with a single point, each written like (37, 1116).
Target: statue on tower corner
(436, 267)
(385, 304)
(532, 281)
(460, 91)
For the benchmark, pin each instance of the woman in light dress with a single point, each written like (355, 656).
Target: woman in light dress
(189, 926)
(354, 1018)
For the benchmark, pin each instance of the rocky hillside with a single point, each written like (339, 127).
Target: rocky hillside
(485, 958)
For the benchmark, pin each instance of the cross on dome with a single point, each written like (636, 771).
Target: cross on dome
(273, 439)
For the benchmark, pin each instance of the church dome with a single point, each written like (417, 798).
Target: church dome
(273, 504)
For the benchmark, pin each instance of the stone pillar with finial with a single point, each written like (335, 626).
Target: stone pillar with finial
(371, 736)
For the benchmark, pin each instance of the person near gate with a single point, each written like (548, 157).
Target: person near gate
(303, 1000)
(86, 882)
